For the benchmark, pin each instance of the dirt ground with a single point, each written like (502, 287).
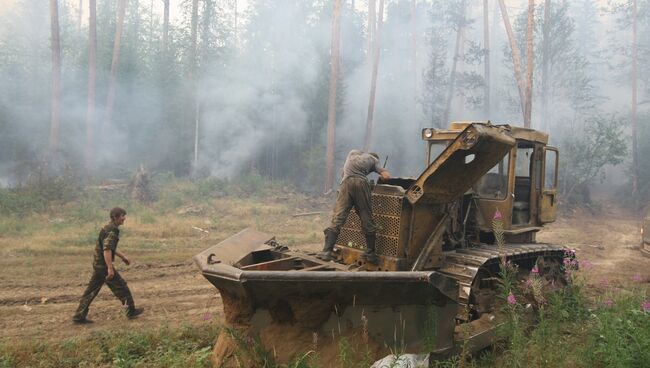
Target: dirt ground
(39, 294)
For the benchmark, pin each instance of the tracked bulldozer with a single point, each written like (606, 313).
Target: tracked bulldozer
(438, 269)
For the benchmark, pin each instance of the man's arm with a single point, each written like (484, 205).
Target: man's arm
(123, 256)
(383, 173)
(109, 245)
(109, 263)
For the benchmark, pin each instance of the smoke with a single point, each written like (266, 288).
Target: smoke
(257, 96)
(262, 96)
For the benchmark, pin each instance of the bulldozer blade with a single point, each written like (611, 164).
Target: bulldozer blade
(392, 304)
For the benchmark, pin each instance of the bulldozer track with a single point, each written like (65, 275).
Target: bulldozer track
(464, 264)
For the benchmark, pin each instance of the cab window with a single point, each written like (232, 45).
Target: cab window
(550, 176)
(494, 184)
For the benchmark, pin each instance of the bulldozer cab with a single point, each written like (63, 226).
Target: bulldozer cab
(522, 185)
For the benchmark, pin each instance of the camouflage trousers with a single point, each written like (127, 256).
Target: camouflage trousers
(97, 280)
(353, 192)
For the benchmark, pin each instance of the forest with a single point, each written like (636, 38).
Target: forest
(221, 89)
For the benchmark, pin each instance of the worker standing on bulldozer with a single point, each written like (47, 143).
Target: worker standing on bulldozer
(355, 191)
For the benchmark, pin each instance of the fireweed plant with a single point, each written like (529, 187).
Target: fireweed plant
(512, 330)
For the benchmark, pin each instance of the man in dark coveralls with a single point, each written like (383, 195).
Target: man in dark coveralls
(104, 272)
(355, 191)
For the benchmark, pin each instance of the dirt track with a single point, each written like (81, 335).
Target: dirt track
(171, 294)
(34, 304)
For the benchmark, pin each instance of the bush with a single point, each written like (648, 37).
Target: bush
(583, 157)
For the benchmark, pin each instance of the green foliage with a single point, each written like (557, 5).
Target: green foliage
(583, 156)
(620, 333)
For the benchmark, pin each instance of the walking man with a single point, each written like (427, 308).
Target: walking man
(355, 191)
(104, 271)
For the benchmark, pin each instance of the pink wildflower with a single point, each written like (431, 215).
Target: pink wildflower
(497, 215)
(585, 264)
(529, 283)
(511, 299)
(535, 270)
(637, 278)
(645, 306)
(608, 303)
(207, 316)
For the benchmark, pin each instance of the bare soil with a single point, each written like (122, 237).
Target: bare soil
(38, 295)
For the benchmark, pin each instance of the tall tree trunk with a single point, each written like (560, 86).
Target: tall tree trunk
(193, 77)
(119, 27)
(207, 18)
(530, 56)
(166, 26)
(516, 57)
(454, 65)
(545, 66)
(92, 69)
(56, 77)
(331, 105)
(414, 56)
(372, 15)
(373, 78)
(486, 59)
(635, 158)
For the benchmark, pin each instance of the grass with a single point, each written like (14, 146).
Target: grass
(187, 346)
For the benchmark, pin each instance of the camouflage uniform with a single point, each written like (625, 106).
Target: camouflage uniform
(354, 192)
(108, 238)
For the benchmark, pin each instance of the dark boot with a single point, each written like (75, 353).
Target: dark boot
(328, 249)
(134, 312)
(370, 256)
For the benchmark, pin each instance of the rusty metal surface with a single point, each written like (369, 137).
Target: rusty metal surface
(475, 151)
(235, 248)
(387, 212)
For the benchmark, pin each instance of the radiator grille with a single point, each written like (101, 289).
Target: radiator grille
(387, 211)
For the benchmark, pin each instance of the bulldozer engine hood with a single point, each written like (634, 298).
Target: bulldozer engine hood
(468, 157)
